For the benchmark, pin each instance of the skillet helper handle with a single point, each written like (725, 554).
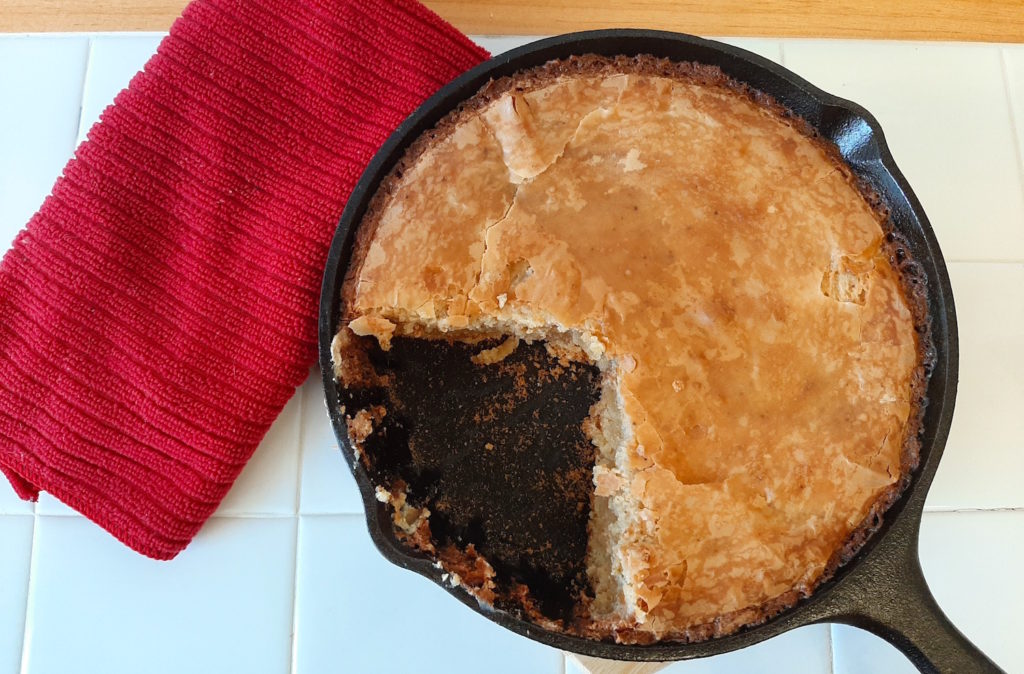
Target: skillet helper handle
(889, 597)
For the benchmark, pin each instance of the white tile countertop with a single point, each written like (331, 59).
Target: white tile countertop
(284, 578)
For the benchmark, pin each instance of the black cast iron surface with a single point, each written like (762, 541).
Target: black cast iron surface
(882, 589)
(498, 455)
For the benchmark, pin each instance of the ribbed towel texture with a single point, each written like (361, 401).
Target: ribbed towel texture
(160, 309)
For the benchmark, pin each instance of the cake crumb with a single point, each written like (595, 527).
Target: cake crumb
(361, 425)
(374, 326)
(498, 353)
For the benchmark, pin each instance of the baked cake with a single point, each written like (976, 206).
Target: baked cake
(758, 334)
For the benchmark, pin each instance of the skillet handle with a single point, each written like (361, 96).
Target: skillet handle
(921, 631)
(888, 596)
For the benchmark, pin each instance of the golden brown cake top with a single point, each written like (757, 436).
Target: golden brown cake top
(722, 267)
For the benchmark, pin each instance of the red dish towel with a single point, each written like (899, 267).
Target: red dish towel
(160, 309)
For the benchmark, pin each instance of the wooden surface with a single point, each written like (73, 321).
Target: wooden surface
(973, 20)
(596, 666)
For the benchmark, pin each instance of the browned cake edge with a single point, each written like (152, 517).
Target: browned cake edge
(911, 276)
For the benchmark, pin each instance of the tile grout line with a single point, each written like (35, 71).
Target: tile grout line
(831, 649)
(26, 633)
(81, 100)
(293, 651)
(966, 511)
(29, 612)
(337, 513)
(302, 446)
(988, 261)
(238, 516)
(48, 34)
(1014, 131)
(300, 461)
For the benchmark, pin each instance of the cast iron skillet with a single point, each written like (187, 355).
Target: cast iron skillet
(882, 589)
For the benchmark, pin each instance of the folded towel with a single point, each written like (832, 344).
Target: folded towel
(160, 309)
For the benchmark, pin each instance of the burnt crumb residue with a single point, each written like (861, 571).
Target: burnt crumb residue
(498, 455)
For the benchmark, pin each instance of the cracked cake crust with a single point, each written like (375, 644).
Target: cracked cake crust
(720, 515)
